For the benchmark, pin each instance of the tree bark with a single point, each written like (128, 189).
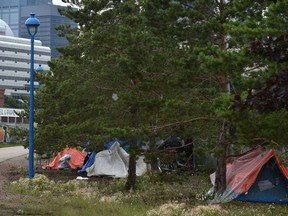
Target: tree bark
(223, 147)
(220, 179)
(131, 180)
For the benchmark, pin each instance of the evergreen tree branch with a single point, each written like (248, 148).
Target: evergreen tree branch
(155, 128)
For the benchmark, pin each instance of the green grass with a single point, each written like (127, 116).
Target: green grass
(159, 195)
(4, 145)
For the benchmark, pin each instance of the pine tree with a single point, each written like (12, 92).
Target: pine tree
(264, 104)
(118, 78)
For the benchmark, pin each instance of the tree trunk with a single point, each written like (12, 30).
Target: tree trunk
(220, 179)
(131, 180)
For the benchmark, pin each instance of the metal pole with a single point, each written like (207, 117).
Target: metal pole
(31, 23)
(31, 113)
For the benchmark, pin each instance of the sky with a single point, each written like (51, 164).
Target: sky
(58, 2)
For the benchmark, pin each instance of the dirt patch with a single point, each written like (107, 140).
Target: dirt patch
(15, 168)
(11, 170)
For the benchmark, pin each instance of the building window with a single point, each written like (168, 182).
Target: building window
(25, 120)
(4, 119)
(18, 120)
(12, 119)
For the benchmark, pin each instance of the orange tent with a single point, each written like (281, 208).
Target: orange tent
(259, 174)
(76, 160)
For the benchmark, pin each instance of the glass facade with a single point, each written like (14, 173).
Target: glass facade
(10, 15)
(38, 2)
(15, 13)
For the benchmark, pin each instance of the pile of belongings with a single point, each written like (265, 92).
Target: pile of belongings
(112, 162)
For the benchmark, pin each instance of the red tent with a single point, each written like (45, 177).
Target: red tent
(76, 160)
(256, 176)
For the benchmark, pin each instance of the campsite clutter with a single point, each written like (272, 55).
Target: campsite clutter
(256, 176)
(179, 154)
(112, 161)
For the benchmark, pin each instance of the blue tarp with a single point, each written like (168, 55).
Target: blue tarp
(89, 163)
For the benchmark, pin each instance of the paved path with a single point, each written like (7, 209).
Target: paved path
(11, 152)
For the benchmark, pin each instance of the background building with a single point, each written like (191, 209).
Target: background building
(15, 13)
(10, 118)
(15, 62)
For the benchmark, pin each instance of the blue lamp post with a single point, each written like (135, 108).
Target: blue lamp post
(32, 24)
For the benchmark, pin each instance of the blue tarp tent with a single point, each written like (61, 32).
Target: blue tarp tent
(88, 163)
(270, 186)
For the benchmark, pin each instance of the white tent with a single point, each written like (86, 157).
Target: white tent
(114, 162)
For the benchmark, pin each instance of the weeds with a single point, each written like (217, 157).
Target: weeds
(154, 196)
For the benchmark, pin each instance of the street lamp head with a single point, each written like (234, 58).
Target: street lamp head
(39, 68)
(32, 24)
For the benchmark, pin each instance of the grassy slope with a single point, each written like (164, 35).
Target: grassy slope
(157, 195)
